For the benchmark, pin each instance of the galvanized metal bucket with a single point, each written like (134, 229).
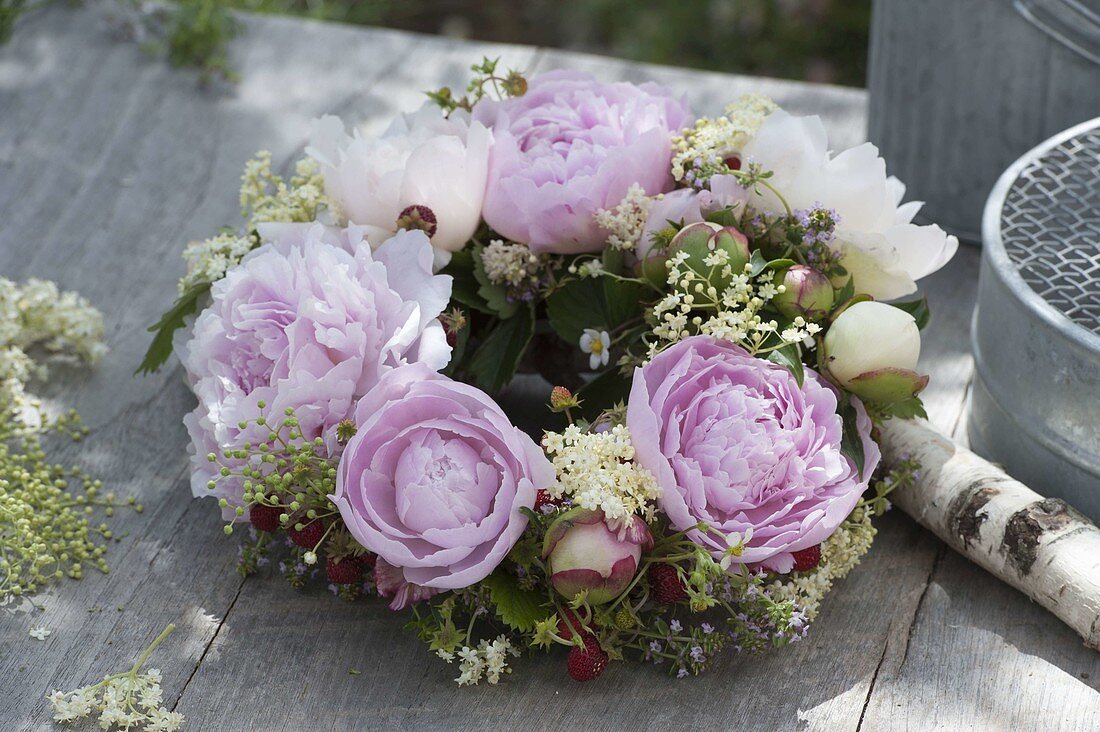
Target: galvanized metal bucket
(1035, 405)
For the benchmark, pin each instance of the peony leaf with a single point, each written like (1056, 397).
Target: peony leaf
(851, 445)
(495, 361)
(906, 409)
(464, 283)
(520, 609)
(161, 347)
(789, 357)
(918, 309)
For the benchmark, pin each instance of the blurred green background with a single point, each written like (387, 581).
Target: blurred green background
(813, 40)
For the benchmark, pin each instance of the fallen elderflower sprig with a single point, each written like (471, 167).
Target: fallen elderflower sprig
(1041, 546)
(124, 701)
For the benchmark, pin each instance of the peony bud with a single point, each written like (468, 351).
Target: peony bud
(587, 552)
(701, 239)
(872, 350)
(808, 293)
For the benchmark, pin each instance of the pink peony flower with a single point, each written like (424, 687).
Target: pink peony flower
(734, 442)
(304, 324)
(435, 477)
(569, 147)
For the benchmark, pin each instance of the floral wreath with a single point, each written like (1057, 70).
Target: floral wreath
(709, 298)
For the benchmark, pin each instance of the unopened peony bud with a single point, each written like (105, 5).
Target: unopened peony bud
(586, 553)
(872, 350)
(699, 241)
(808, 293)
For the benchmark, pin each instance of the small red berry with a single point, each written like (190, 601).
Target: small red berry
(665, 584)
(588, 662)
(569, 622)
(806, 559)
(344, 571)
(366, 560)
(310, 535)
(264, 517)
(733, 162)
(543, 498)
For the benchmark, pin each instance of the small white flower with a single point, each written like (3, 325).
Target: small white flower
(310, 558)
(735, 546)
(40, 633)
(598, 344)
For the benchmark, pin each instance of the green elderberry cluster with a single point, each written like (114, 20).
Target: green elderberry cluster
(286, 480)
(47, 509)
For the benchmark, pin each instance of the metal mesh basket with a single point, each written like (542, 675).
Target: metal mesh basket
(1036, 335)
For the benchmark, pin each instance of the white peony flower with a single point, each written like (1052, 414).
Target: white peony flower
(884, 252)
(423, 160)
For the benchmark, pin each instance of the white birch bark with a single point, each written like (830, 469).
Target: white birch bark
(1041, 546)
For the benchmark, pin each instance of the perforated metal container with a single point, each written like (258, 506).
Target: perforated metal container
(1035, 405)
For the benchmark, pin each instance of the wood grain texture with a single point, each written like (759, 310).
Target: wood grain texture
(109, 161)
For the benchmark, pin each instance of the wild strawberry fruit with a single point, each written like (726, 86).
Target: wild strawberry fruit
(565, 629)
(343, 571)
(365, 560)
(588, 662)
(665, 584)
(264, 517)
(806, 559)
(543, 498)
(310, 535)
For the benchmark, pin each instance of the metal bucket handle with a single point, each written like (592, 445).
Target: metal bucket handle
(1070, 22)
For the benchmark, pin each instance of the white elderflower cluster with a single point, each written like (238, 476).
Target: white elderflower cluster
(266, 197)
(840, 554)
(39, 314)
(209, 260)
(626, 221)
(513, 265)
(125, 701)
(695, 305)
(596, 470)
(703, 150)
(489, 660)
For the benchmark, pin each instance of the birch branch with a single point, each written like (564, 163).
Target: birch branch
(1041, 546)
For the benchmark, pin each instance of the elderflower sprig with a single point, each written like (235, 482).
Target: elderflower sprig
(626, 221)
(123, 701)
(596, 470)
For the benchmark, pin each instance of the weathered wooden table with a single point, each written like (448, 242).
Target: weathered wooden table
(109, 161)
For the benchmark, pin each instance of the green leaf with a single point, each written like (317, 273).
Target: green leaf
(161, 347)
(464, 283)
(846, 292)
(613, 260)
(495, 296)
(851, 444)
(495, 361)
(601, 303)
(520, 609)
(759, 263)
(724, 217)
(918, 309)
(790, 357)
(603, 392)
(906, 409)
